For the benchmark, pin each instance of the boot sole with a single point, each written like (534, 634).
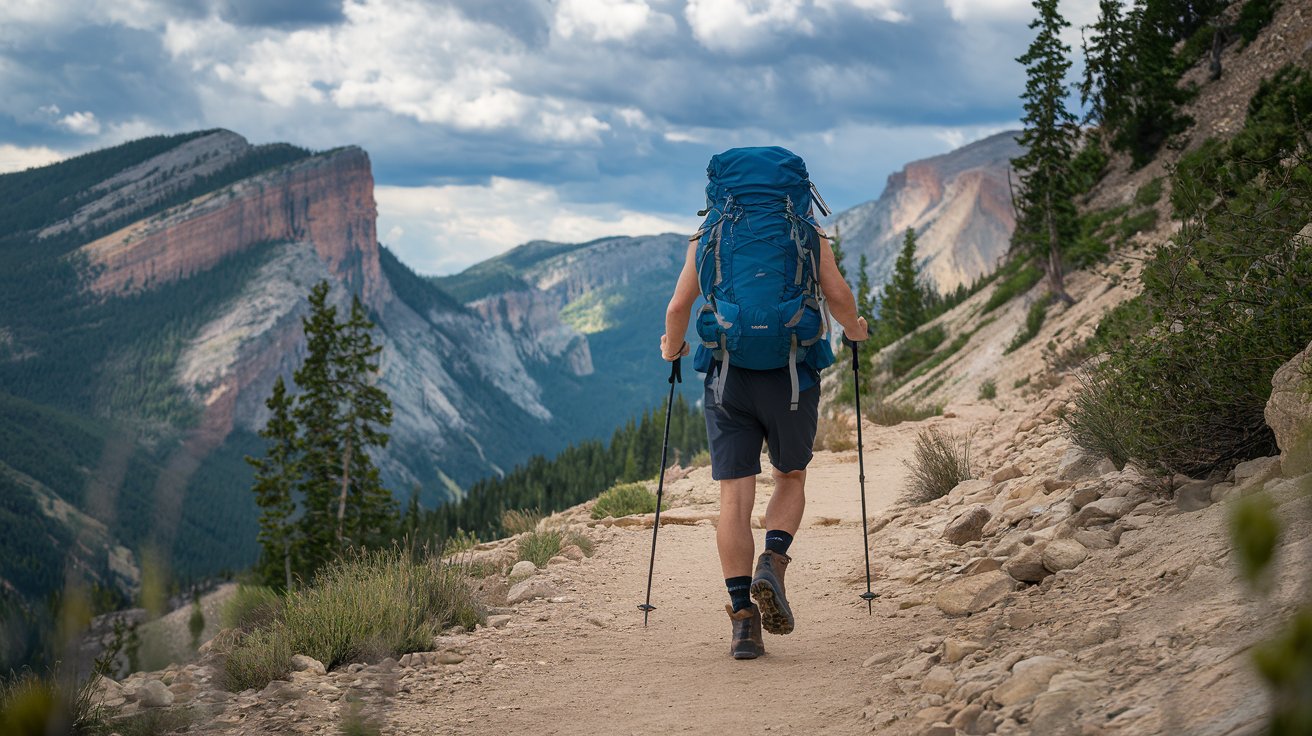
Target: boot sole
(747, 655)
(775, 616)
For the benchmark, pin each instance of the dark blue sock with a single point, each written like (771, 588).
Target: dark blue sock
(739, 591)
(777, 541)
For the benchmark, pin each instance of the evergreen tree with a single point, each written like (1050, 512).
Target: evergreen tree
(1047, 210)
(275, 477)
(902, 306)
(1105, 49)
(836, 242)
(864, 299)
(317, 414)
(366, 512)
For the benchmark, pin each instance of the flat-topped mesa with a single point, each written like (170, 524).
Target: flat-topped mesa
(327, 200)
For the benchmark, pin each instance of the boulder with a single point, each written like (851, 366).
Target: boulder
(955, 650)
(1084, 496)
(938, 681)
(527, 590)
(981, 564)
(1251, 475)
(1103, 510)
(967, 526)
(967, 488)
(523, 570)
(1063, 554)
(302, 663)
(1289, 412)
(1027, 564)
(1005, 473)
(974, 594)
(572, 552)
(153, 694)
(1077, 464)
(1195, 495)
(1029, 677)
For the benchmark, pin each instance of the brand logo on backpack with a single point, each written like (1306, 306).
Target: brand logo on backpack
(758, 263)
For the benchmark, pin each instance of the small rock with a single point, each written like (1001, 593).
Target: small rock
(527, 590)
(982, 564)
(523, 570)
(153, 694)
(1105, 467)
(938, 680)
(1195, 495)
(1052, 485)
(955, 650)
(880, 658)
(1027, 565)
(1096, 538)
(302, 663)
(1103, 510)
(1063, 554)
(966, 719)
(967, 526)
(280, 690)
(1252, 474)
(496, 622)
(1020, 619)
(940, 728)
(974, 594)
(1076, 464)
(1004, 474)
(1084, 496)
(559, 560)
(1222, 491)
(572, 552)
(1029, 677)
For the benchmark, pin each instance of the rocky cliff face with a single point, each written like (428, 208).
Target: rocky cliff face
(959, 205)
(327, 200)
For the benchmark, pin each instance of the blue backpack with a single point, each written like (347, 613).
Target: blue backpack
(758, 264)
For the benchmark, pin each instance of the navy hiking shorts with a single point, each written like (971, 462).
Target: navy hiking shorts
(755, 410)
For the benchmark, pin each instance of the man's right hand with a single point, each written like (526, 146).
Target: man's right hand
(666, 355)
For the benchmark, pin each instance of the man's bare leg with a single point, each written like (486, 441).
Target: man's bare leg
(784, 511)
(733, 535)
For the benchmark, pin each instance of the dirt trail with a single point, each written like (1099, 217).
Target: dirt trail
(567, 675)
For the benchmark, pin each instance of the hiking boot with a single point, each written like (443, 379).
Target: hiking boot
(746, 643)
(768, 590)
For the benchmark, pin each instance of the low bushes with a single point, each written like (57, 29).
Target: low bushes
(376, 605)
(624, 499)
(833, 434)
(1022, 280)
(1033, 323)
(941, 461)
(914, 349)
(988, 390)
(540, 547)
(250, 607)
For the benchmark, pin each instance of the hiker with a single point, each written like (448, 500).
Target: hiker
(769, 279)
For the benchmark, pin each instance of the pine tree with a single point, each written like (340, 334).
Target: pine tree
(1105, 52)
(366, 512)
(317, 414)
(836, 242)
(864, 299)
(902, 306)
(1047, 209)
(275, 477)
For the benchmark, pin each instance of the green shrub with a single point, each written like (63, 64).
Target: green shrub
(701, 460)
(539, 547)
(1130, 226)
(518, 521)
(251, 607)
(1021, 382)
(915, 348)
(623, 499)
(1017, 283)
(1225, 302)
(461, 541)
(1033, 323)
(889, 413)
(1149, 194)
(988, 390)
(833, 434)
(1253, 17)
(941, 461)
(375, 605)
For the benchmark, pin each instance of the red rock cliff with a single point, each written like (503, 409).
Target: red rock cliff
(327, 200)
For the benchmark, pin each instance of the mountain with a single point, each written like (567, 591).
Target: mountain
(149, 295)
(959, 204)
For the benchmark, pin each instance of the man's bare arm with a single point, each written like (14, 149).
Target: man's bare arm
(680, 309)
(842, 305)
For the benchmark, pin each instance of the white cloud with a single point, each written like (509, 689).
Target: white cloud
(609, 20)
(18, 158)
(82, 123)
(444, 229)
(736, 26)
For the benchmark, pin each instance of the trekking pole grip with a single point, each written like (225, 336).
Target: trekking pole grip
(676, 370)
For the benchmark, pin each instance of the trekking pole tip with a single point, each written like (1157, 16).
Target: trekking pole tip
(869, 598)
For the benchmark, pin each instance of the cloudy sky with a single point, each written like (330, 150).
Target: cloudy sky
(493, 122)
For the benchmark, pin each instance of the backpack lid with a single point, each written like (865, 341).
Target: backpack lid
(759, 175)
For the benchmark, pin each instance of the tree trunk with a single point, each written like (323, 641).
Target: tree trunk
(1218, 45)
(1056, 282)
(287, 559)
(341, 503)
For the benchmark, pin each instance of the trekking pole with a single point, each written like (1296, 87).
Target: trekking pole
(676, 375)
(868, 596)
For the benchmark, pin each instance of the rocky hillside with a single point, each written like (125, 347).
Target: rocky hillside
(958, 203)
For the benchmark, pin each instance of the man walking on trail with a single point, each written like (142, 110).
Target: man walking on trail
(766, 271)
